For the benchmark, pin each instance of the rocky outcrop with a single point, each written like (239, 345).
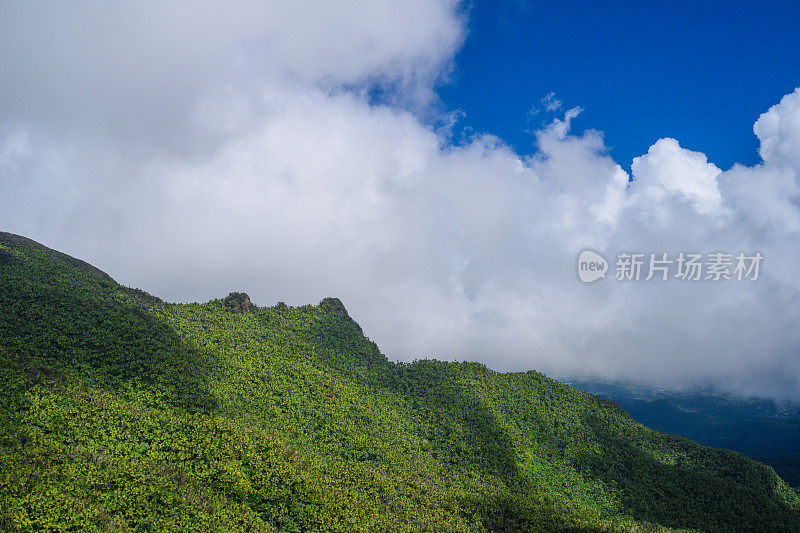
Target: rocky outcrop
(238, 302)
(336, 307)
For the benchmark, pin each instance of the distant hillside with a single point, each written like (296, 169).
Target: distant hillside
(788, 467)
(757, 427)
(120, 412)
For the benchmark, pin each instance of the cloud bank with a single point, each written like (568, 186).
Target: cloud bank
(194, 151)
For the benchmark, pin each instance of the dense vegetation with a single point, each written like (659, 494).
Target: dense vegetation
(787, 465)
(760, 428)
(757, 427)
(122, 412)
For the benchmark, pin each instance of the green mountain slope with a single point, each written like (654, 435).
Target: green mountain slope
(759, 428)
(122, 412)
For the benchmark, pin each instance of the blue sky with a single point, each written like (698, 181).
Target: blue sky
(701, 72)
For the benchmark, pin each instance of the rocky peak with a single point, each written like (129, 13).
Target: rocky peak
(336, 307)
(238, 302)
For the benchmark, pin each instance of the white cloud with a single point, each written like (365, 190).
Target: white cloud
(550, 103)
(137, 68)
(281, 179)
(778, 130)
(668, 169)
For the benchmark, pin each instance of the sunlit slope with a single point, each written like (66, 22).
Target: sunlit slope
(121, 412)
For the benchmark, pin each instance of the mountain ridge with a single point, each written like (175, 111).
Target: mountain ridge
(123, 412)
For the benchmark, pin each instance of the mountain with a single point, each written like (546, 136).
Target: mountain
(760, 428)
(788, 466)
(123, 412)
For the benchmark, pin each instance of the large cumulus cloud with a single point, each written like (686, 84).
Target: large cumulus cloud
(241, 148)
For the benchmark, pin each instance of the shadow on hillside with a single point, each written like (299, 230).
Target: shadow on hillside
(444, 404)
(463, 430)
(55, 332)
(724, 496)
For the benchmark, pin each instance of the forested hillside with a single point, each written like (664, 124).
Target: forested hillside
(759, 428)
(122, 412)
